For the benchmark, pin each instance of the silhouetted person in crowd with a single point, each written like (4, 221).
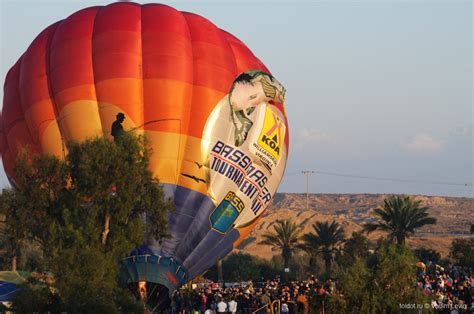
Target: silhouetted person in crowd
(117, 128)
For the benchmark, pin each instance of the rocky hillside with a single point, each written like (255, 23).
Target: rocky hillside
(455, 215)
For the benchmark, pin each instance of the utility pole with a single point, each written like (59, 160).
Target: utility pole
(307, 173)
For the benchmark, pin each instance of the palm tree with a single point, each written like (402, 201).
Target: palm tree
(400, 217)
(285, 237)
(326, 240)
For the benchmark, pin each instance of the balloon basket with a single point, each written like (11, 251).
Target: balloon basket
(152, 279)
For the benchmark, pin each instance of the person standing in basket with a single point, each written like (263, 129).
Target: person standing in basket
(117, 128)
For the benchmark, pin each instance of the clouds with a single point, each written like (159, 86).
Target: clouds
(462, 131)
(313, 135)
(423, 143)
(311, 140)
(426, 143)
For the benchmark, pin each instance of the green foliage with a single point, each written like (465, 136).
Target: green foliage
(86, 213)
(353, 282)
(380, 288)
(462, 251)
(272, 269)
(400, 217)
(357, 246)
(298, 266)
(395, 278)
(243, 267)
(37, 298)
(326, 240)
(15, 231)
(285, 238)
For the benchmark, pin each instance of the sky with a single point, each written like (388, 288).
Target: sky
(379, 93)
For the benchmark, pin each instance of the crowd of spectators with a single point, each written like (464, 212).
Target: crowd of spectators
(250, 297)
(449, 288)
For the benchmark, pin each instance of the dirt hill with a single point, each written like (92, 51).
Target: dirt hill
(454, 215)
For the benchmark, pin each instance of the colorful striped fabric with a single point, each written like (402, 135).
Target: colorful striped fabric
(167, 71)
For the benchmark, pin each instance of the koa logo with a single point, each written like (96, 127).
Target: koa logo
(272, 135)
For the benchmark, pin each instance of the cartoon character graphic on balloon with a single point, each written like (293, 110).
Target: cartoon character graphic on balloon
(250, 89)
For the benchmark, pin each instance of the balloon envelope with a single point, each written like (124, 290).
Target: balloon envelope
(10, 282)
(212, 112)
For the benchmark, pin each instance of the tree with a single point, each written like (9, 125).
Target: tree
(13, 232)
(285, 237)
(326, 240)
(395, 278)
(352, 283)
(37, 296)
(298, 266)
(462, 251)
(357, 246)
(400, 217)
(379, 288)
(242, 267)
(87, 212)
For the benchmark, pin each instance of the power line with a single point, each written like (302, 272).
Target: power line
(391, 179)
(345, 175)
(307, 173)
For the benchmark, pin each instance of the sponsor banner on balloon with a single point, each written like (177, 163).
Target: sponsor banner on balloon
(272, 136)
(226, 213)
(244, 150)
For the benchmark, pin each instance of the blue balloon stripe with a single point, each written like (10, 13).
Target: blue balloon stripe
(210, 258)
(187, 203)
(209, 241)
(198, 230)
(8, 291)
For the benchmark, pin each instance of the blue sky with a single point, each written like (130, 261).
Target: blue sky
(375, 88)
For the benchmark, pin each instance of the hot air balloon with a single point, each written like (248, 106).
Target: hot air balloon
(10, 282)
(213, 113)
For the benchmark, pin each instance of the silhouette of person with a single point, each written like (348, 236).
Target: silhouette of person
(117, 128)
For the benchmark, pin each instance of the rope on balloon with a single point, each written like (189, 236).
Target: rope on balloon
(131, 130)
(153, 121)
(61, 132)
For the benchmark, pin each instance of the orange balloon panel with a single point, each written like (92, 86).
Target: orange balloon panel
(150, 62)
